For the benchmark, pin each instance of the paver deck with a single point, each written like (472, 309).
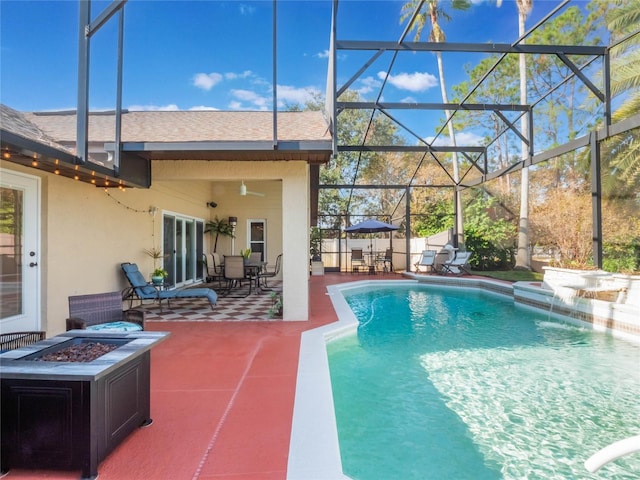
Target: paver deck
(222, 396)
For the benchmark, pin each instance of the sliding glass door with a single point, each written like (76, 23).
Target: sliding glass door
(183, 246)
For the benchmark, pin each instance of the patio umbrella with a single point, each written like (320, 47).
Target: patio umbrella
(371, 226)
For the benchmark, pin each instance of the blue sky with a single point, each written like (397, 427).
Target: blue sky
(182, 55)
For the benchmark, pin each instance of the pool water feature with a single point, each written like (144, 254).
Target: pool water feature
(451, 383)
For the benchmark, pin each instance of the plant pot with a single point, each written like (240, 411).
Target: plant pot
(157, 279)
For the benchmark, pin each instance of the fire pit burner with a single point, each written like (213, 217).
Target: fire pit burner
(83, 352)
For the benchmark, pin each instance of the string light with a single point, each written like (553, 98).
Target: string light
(126, 207)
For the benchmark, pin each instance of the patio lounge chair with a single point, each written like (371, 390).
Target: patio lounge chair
(427, 260)
(146, 291)
(458, 265)
(103, 311)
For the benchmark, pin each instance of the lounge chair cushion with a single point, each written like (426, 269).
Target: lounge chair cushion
(211, 295)
(116, 326)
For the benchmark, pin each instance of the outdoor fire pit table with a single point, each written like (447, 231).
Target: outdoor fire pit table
(69, 414)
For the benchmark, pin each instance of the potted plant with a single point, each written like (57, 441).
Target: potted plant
(246, 254)
(315, 244)
(276, 305)
(159, 274)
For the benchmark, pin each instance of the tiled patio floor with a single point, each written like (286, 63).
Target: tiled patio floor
(222, 396)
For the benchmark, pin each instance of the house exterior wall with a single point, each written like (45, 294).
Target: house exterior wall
(86, 232)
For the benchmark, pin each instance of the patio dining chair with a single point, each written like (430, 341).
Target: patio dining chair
(386, 260)
(214, 271)
(142, 290)
(266, 273)
(235, 275)
(357, 260)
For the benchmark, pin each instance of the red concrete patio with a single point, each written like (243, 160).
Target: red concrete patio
(222, 397)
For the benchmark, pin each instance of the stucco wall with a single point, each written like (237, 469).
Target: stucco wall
(86, 232)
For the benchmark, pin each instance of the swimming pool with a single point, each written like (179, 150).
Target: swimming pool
(455, 383)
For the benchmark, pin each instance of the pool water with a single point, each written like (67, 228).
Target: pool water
(459, 384)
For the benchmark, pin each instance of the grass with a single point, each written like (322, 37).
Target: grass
(512, 275)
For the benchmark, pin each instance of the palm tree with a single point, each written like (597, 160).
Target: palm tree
(625, 59)
(523, 261)
(219, 227)
(434, 10)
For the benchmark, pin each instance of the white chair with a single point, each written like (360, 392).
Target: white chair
(458, 265)
(427, 260)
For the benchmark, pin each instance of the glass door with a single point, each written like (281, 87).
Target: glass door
(169, 247)
(183, 245)
(257, 237)
(20, 260)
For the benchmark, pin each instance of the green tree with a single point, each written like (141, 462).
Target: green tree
(488, 236)
(622, 154)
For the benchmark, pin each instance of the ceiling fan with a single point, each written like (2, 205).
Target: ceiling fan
(244, 191)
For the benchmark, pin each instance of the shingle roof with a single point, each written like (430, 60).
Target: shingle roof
(16, 122)
(188, 126)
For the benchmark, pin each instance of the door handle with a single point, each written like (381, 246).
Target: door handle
(33, 264)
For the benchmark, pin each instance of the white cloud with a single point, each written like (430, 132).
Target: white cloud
(235, 105)
(200, 108)
(463, 139)
(408, 100)
(172, 107)
(206, 81)
(252, 97)
(289, 94)
(368, 84)
(414, 82)
(325, 54)
(234, 76)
